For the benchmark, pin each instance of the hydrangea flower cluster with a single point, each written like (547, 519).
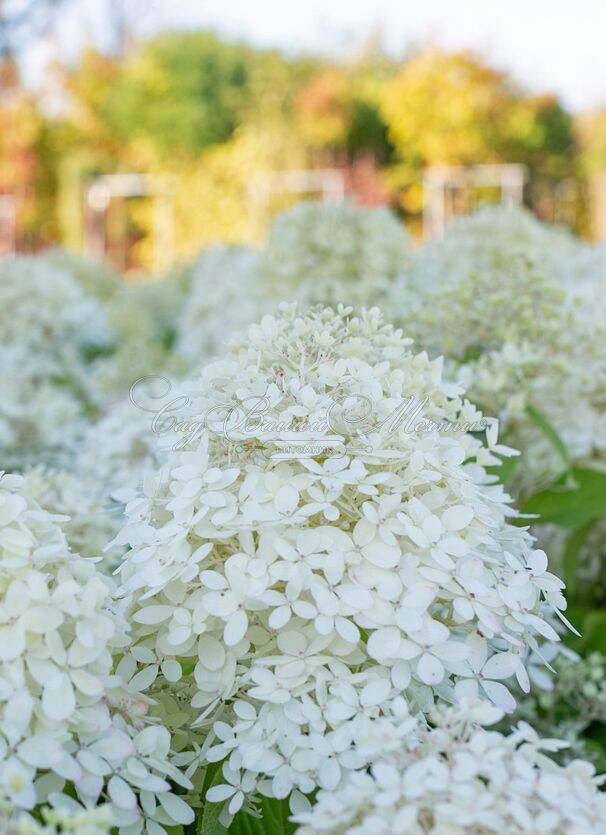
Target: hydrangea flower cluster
(458, 777)
(95, 277)
(69, 726)
(90, 520)
(144, 316)
(575, 704)
(112, 457)
(496, 237)
(64, 821)
(335, 253)
(226, 294)
(119, 449)
(489, 299)
(51, 330)
(322, 541)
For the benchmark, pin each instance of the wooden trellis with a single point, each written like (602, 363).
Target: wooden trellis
(101, 190)
(442, 185)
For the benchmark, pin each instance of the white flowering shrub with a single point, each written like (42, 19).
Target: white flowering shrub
(226, 294)
(119, 449)
(290, 598)
(491, 297)
(497, 237)
(458, 778)
(335, 253)
(94, 276)
(322, 592)
(144, 315)
(51, 333)
(14, 821)
(69, 727)
(90, 521)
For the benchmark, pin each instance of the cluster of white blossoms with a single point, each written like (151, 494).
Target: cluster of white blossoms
(574, 703)
(69, 726)
(493, 238)
(459, 778)
(112, 457)
(226, 294)
(335, 253)
(315, 252)
(50, 333)
(95, 277)
(490, 297)
(144, 315)
(90, 520)
(322, 542)
(63, 821)
(119, 449)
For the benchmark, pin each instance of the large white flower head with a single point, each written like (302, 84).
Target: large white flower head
(65, 821)
(335, 252)
(68, 725)
(91, 521)
(119, 449)
(323, 539)
(51, 330)
(497, 237)
(144, 315)
(582, 276)
(95, 277)
(463, 779)
(497, 313)
(226, 295)
(573, 706)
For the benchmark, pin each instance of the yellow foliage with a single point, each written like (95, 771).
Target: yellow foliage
(447, 108)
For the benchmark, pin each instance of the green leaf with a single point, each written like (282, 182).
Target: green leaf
(550, 433)
(576, 499)
(208, 819)
(574, 544)
(273, 821)
(504, 470)
(591, 623)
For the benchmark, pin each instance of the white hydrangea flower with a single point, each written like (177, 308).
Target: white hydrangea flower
(110, 459)
(144, 316)
(582, 276)
(63, 821)
(295, 600)
(66, 721)
(96, 277)
(119, 449)
(39, 420)
(458, 778)
(491, 297)
(226, 295)
(92, 521)
(495, 237)
(335, 253)
(51, 330)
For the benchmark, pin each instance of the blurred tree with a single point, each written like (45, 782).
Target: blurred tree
(27, 161)
(454, 109)
(22, 20)
(181, 92)
(591, 132)
(338, 110)
(448, 108)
